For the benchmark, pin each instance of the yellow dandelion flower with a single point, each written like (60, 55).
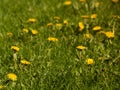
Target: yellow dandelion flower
(52, 39)
(58, 25)
(81, 47)
(116, 16)
(87, 35)
(49, 24)
(12, 76)
(15, 48)
(25, 30)
(82, 0)
(93, 16)
(90, 61)
(109, 34)
(67, 3)
(1, 87)
(9, 34)
(25, 62)
(65, 22)
(85, 16)
(56, 17)
(31, 20)
(81, 26)
(96, 28)
(34, 32)
(115, 1)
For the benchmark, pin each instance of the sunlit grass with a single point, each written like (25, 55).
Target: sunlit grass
(59, 44)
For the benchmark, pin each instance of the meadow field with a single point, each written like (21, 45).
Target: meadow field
(59, 44)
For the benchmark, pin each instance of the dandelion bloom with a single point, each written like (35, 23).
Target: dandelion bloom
(115, 1)
(25, 30)
(65, 22)
(12, 76)
(96, 28)
(67, 3)
(90, 61)
(49, 24)
(32, 20)
(87, 35)
(82, 0)
(58, 25)
(85, 16)
(1, 87)
(25, 62)
(56, 17)
(109, 34)
(116, 16)
(81, 26)
(81, 47)
(15, 48)
(9, 34)
(52, 39)
(93, 16)
(34, 32)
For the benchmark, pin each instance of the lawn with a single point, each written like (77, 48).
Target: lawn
(59, 44)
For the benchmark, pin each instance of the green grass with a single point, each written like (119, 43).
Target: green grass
(59, 65)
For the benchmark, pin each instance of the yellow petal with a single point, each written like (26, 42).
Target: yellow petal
(32, 20)
(94, 16)
(96, 28)
(115, 1)
(89, 61)
(67, 3)
(25, 62)
(81, 47)
(81, 26)
(34, 32)
(65, 22)
(109, 34)
(15, 48)
(25, 30)
(12, 76)
(52, 39)
(1, 87)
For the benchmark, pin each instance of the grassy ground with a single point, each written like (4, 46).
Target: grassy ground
(59, 64)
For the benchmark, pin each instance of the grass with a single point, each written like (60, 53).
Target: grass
(59, 65)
